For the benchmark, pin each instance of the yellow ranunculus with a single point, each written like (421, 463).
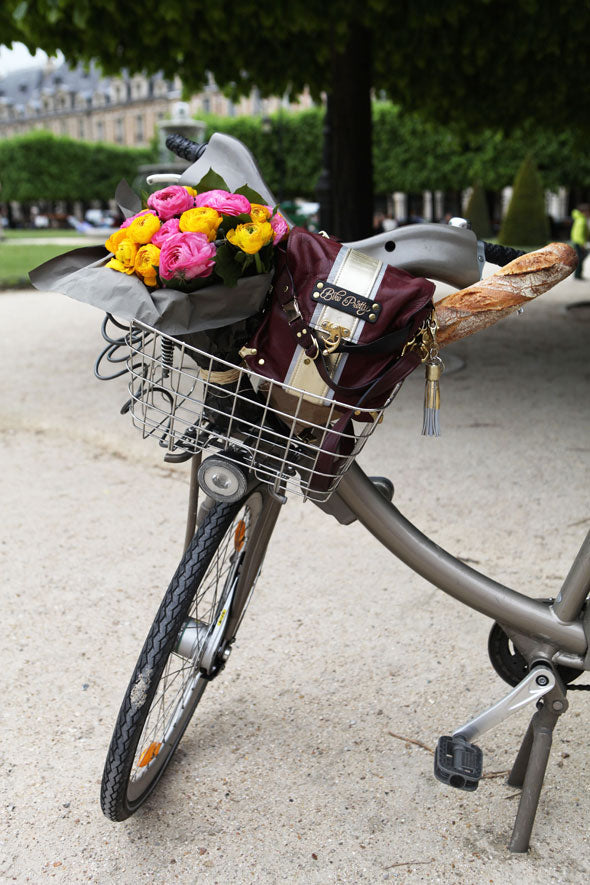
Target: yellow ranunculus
(190, 190)
(251, 237)
(112, 244)
(201, 220)
(258, 212)
(124, 259)
(142, 228)
(146, 261)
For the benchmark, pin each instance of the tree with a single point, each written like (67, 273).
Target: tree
(478, 212)
(493, 64)
(526, 222)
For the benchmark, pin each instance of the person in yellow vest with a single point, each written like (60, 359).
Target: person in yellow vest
(580, 234)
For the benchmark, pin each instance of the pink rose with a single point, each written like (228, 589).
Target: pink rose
(185, 256)
(279, 226)
(170, 201)
(224, 202)
(128, 221)
(168, 228)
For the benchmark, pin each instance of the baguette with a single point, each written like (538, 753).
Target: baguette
(490, 300)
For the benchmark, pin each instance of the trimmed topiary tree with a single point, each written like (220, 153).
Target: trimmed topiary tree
(526, 222)
(478, 213)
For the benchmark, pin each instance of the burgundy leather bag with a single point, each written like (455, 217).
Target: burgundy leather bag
(336, 328)
(338, 323)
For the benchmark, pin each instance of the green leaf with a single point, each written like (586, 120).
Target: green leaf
(231, 221)
(251, 195)
(211, 182)
(266, 254)
(226, 266)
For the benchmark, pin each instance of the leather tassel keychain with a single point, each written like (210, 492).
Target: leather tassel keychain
(431, 424)
(434, 369)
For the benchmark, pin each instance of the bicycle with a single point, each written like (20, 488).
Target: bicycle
(180, 396)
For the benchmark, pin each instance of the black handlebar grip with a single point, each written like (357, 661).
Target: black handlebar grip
(500, 255)
(185, 148)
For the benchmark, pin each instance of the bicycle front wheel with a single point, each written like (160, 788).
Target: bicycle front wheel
(186, 645)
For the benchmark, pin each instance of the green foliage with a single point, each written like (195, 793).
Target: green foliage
(42, 166)
(526, 222)
(412, 154)
(478, 212)
(513, 60)
(289, 155)
(409, 154)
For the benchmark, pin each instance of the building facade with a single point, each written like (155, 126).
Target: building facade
(83, 104)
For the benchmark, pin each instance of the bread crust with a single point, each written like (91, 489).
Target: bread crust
(469, 310)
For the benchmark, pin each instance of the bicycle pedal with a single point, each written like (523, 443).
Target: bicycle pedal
(458, 763)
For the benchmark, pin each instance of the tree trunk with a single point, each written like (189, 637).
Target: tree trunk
(351, 172)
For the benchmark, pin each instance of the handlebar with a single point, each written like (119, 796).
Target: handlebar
(500, 255)
(185, 148)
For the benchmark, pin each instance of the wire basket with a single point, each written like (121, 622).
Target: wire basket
(190, 400)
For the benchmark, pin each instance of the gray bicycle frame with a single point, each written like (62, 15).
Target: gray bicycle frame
(558, 632)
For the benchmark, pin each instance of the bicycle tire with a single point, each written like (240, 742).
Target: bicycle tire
(144, 738)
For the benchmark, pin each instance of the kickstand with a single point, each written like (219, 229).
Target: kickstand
(529, 767)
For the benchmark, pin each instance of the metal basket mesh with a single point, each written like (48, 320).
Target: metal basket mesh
(190, 400)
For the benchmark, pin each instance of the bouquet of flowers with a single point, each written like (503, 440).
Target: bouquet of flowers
(190, 237)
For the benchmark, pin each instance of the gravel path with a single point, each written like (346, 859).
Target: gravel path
(310, 761)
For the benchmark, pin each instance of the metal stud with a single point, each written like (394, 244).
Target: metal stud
(260, 362)
(372, 317)
(376, 307)
(320, 285)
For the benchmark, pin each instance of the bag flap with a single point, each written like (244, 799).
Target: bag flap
(341, 288)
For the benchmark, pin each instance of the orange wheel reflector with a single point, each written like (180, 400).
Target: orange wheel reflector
(240, 535)
(149, 754)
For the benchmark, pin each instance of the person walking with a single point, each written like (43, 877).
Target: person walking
(580, 234)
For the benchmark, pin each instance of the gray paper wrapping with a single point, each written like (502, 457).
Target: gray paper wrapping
(82, 274)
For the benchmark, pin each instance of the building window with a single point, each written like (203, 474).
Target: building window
(99, 130)
(206, 104)
(119, 134)
(81, 128)
(139, 131)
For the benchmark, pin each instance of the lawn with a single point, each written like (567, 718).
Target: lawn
(17, 261)
(41, 233)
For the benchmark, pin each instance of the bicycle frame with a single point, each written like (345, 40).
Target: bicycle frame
(561, 636)
(557, 632)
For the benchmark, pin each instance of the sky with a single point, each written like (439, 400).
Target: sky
(19, 57)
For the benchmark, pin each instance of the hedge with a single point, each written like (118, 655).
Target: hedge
(409, 154)
(42, 166)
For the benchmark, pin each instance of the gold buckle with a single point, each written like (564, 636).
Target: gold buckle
(425, 339)
(334, 336)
